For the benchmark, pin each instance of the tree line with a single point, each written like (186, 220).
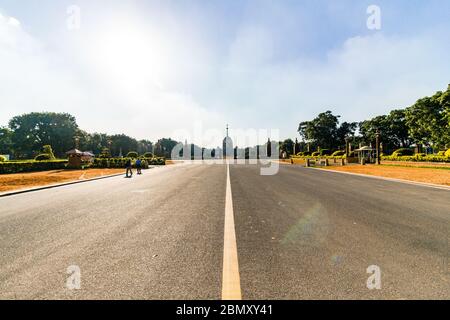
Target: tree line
(425, 123)
(26, 134)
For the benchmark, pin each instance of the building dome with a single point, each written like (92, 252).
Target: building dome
(227, 145)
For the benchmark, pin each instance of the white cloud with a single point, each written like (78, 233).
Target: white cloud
(177, 78)
(365, 76)
(103, 95)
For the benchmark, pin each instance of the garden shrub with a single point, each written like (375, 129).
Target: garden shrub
(120, 162)
(31, 165)
(315, 154)
(304, 153)
(2, 159)
(403, 152)
(421, 158)
(441, 153)
(43, 157)
(338, 153)
(148, 155)
(132, 154)
(47, 149)
(325, 152)
(447, 153)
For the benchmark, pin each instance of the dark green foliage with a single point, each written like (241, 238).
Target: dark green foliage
(32, 130)
(164, 146)
(428, 119)
(43, 157)
(132, 154)
(148, 155)
(47, 149)
(105, 153)
(403, 152)
(338, 153)
(325, 152)
(324, 131)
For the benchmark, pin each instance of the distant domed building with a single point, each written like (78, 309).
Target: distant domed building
(227, 145)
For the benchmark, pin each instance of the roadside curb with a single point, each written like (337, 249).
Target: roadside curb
(51, 186)
(416, 183)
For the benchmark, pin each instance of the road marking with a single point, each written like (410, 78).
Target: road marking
(231, 283)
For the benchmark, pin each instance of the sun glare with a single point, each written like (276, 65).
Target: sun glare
(131, 56)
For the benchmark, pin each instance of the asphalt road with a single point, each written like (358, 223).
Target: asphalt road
(300, 234)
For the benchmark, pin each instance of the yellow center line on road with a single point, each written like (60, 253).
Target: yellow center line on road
(231, 283)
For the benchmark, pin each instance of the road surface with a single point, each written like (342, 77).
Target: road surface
(299, 234)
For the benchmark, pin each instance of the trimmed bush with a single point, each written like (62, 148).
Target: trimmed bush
(338, 153)
(421, 158)
(47, 149)
(31, 165)
(403, 152)
(43, 157)
(2, 159)
(325, 152)
(304, 153)
(120, 162)
(148, 155)
(441, 153)
(447, 153)
(315, 154)
(132, 154)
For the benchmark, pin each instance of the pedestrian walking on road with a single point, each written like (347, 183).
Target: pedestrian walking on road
(129, 168)
(139, 166)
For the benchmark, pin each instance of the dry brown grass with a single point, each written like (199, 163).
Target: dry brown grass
(428, 175)
(9, 182)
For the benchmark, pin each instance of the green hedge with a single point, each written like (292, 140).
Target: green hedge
(338, 153)
(418, 158)
(43, 157)
(120, 162)
(31, 165)
(319, 157)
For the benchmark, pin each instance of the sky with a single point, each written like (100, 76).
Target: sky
(186, 68)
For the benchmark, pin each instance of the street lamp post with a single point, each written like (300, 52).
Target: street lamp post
(347, 151)
(377, 142)
(109, 147)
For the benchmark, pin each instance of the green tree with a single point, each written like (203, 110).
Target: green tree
(325, 132)
(6, 144)
(33, 130)
(164, 146)
(287, 146)
(47, 149)
(428, 120)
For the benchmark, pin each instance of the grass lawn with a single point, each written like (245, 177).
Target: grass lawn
(16, 181)
(428, 175)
